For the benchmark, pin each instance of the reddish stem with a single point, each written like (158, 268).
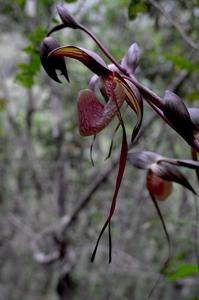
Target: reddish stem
(104, 49)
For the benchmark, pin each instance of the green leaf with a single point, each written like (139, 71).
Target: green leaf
(3, 103)
(27, 71)
(181, 271)
(193, 96)
(135, 7)
(123, 3)
(24, 79)
(20, 2)
(181, 62)
(70, 1)
(37, 35)
(29, 49)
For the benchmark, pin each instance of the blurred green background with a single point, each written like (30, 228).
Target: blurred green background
(46, 174)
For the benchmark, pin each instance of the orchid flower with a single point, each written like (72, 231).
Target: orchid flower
(118, 85)
(161, 173)
(93, 116)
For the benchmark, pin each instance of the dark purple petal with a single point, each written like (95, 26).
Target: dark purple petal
(178, 116)
(122, 164)
(54, 63)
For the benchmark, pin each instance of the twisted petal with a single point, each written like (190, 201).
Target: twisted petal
(134, 100)
(89, 58)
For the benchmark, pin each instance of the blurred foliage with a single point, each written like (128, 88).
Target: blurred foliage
(180, 271)
(28, 71)
(45, 165)
(135, 7)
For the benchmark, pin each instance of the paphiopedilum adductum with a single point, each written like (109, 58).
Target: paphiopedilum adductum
(117, 85)
(94, 115)
(162, 172)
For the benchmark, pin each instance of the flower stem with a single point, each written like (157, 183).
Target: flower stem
(147, 93)
(104, 49)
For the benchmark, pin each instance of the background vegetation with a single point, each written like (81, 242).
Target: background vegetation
(52, 201)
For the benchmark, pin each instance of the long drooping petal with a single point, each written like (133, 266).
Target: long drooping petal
(89, 58)
(122, 164)
(116, 97)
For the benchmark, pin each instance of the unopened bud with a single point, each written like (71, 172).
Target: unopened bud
(131, 58)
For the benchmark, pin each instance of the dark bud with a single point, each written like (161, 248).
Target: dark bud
(178, 116)
(67, 19)
(131, 58)
(194, 114)
(51, 64)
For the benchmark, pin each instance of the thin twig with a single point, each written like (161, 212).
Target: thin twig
(175, 24)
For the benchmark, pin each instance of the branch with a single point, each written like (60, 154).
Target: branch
(175, 24)
(60, 228)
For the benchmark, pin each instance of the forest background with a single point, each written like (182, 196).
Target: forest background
(53, 202)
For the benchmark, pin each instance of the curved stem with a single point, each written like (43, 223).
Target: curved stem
(158, 111)
(158, 101)
(166, 262)
(147, 93)
(104, 49)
